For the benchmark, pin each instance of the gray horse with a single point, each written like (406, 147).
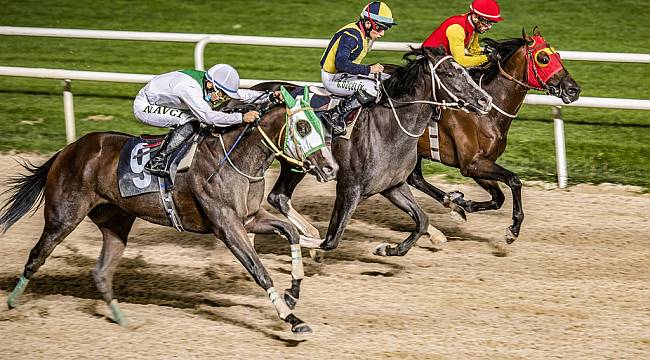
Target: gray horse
(381, 152)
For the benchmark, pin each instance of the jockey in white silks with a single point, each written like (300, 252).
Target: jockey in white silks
(182, 99)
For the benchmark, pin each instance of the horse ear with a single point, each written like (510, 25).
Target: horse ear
(525, 36)
(536, 31)
(291, 102)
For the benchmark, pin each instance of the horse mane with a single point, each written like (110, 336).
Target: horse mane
(506, 48)
(402, 79)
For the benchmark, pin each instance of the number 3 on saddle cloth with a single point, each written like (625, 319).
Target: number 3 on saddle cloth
(320, 100)
(135, 180)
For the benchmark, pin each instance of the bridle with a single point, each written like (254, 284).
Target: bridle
(531, 68)
(276, 151)
(436, 83)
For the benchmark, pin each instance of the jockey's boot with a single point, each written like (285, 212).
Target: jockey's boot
(334, 116)
(177, 136)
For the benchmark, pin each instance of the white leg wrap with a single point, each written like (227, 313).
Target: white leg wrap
(297, 272)
(301, 223)
(436, 236)
(280, 306)
(251, 239)
(309, 242)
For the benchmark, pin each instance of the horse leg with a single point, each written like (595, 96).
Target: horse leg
(60, 220)
(280, 199)
(495, 203)
(347, 200)
(402, 197)
(416, 179)
(486, 169)
(115, 225)
(234, 236)
(266, 223)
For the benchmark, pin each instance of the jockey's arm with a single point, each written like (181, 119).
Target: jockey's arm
(456, 36)
(343, 63)
(253, 96)
(192, 96)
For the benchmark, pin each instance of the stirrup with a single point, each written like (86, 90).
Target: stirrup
(157, 168)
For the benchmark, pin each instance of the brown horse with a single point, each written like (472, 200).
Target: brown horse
(81, 180)
(473, 142)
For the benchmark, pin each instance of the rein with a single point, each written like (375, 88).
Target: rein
(525, 85)
(434, 80)
(267, 141)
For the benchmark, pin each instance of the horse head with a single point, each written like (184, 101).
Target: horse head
(452, 83)
(534, 60)
(303, 138)
(546, 71)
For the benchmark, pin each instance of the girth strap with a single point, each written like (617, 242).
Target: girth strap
(168, 204)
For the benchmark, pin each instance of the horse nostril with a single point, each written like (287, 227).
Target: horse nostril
(483, 101)
(328, 170)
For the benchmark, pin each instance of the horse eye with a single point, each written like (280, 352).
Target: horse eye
(303, 127)
(450, 74)
(543, 58)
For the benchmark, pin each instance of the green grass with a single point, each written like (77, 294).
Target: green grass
(602, 145)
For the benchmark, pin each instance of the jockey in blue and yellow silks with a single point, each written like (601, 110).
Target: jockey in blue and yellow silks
(341, 70)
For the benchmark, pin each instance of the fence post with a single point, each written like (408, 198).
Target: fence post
(560, 148)
(68, 111)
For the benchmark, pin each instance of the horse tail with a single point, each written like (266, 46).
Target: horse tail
(26, 193)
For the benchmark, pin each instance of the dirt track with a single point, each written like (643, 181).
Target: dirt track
(576, 285)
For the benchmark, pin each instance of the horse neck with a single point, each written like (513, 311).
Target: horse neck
(414, 117)
(507, 94)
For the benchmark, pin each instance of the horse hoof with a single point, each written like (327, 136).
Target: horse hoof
(317, 255)
(510, 236)
(381, 250)
(458, 214)
(11, 304)
(455, 196)
(301, 329)
(290, 300)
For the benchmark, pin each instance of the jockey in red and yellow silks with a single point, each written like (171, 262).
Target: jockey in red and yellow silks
(459, 33)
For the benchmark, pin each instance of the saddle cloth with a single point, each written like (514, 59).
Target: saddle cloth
(134, 180)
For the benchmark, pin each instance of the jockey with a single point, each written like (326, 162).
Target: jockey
(182, 99)
(460, 32)
(341, 69)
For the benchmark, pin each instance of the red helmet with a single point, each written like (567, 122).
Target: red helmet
(488, 9)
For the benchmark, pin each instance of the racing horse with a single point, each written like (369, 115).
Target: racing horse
(381, 151)
(81, 180)
(473, 142)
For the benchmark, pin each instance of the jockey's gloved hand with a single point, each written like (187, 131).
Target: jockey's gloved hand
(492, 54)
(275, 98)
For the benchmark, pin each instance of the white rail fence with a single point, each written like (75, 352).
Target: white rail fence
(202, 40)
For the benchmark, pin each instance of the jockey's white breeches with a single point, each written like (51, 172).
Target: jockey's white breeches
(344, 84)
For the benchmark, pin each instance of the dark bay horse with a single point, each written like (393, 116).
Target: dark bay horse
(81, 180)
(473, 142)
(381, 152)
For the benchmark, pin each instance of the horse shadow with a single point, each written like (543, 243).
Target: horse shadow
(137, 282)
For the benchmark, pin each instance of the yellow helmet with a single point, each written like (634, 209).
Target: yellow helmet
(378, 12)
